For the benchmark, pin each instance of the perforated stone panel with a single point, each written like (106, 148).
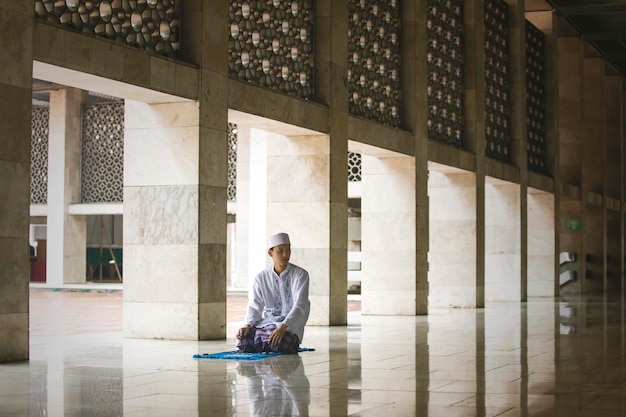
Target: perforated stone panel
(102, 162)
(374, 60)
(271, 44)
(151, 25)
(445, 71)
(535, 99)
(497, 84)
(40, 118)
(354, 166)
(232, 162)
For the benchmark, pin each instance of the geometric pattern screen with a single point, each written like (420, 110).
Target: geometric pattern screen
(374, 60)
(444, 56)
(150, 25)
(231, 191)
(270, 44)
(102, 161)
(497, 85)
(535, 99)
(39, 155)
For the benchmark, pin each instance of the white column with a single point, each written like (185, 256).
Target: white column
(174, 226)
(388, 236)
(541, 244)
(66, 234)
(251, 204)
(298, 194)
(452, 256)
(502, 241)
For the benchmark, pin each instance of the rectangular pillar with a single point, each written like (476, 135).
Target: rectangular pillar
(568, 75)
(174, 224)
(298, 203)
(452, 256)
(502, 241)
(388, 230)
(16, 59)
(541, 244)
(66, 234)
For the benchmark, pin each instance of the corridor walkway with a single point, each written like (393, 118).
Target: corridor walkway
(541, 358)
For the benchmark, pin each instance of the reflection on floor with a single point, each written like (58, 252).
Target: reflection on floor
(541, 358)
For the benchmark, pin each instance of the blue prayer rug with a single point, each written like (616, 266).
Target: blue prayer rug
(235, 354)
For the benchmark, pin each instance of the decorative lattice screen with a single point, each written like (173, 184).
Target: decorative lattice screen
(151, 25)
(232, 162)
(497, 85)
(445, 71)
(374, 60)
(535, 99)
(271, 44)
(39, 155)
(102, 162)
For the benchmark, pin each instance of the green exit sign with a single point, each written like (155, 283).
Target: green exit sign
(574, 225)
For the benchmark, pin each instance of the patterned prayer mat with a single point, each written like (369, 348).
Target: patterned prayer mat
(235, 354)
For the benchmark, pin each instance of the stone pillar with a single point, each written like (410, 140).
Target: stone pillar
(593, 174)
(612, 108)
(519, 139)
(243, 222)
(298, 203)
(541, 244)
(16, 58)
(331, 62)
(66, 234)
(415, 109)
(174, 226)
(568, 71)
(474, 77)
(502, 241)
(388, 230)
(452, 257)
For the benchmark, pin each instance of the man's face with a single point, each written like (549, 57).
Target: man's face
(280, 255)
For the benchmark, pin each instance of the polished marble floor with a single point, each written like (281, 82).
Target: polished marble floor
(540, 358)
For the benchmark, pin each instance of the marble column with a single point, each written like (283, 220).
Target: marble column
(541, 244)
(568, 70)
(251, 204)
(16, 56)
(331, 63)
(66, 234)
(298, 203)
(452, 256)
(388, 230)
(415, 108)
(174, 226)
(502, 241)
(474, 83)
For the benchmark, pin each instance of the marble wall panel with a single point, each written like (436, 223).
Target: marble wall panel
(212, 274)
(161, 273)
(452, 236)
(388, 270)
(502, 277)
(388, 231)
(316, 262)
(307, 223)
(153, 320)
(161, 215)
(389, 302)
(308, 173)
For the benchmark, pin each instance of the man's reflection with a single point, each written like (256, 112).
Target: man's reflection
(277, 386)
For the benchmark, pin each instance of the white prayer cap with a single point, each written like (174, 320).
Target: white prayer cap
(278, 239)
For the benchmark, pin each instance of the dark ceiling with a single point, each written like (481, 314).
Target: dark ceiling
(602, 23)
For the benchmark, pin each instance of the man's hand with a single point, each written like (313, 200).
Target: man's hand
(277, 335)
(243, 331)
